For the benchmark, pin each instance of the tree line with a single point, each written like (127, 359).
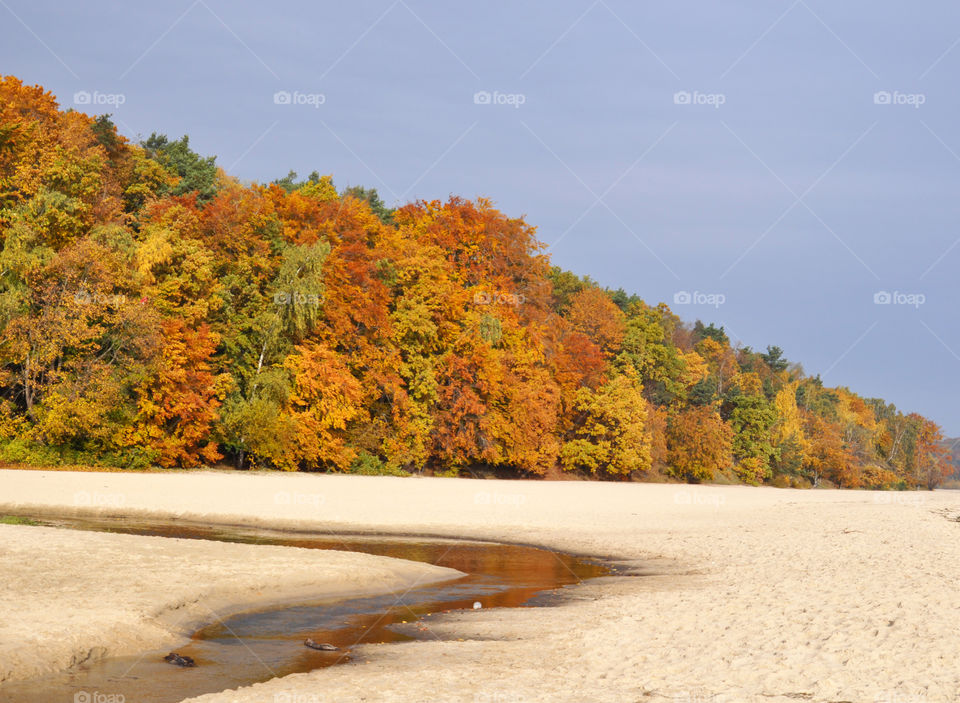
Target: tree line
(156, 311)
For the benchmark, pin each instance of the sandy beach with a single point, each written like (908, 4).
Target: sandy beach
(746, 594)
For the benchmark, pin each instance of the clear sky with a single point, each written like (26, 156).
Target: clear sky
(782, 164)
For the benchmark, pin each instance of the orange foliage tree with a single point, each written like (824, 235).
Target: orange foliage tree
(698, 444)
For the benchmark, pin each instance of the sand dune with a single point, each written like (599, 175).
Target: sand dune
(755, 594)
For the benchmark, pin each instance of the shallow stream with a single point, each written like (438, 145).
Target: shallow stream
(256, 646)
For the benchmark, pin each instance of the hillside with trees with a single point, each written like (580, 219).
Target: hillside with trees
(156, 311)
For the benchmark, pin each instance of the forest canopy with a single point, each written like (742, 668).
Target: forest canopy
(156, 311)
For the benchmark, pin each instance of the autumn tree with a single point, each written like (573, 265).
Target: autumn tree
(752, 418)
(593, 314)
(177, 406)
(932, 464)
(609, 435)
(787, 434)
(699, 444)
(324, 401)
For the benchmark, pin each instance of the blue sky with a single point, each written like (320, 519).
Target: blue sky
(791, 162)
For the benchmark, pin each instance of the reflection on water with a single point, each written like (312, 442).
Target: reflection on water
(251, 647)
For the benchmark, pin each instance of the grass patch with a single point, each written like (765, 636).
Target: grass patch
(367, 464)
(16, 520)
(17, 452)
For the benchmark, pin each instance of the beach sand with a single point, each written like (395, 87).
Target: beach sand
(748, 594)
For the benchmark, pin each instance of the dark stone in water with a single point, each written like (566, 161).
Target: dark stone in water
(321, 646)
(179, 660)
